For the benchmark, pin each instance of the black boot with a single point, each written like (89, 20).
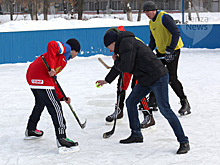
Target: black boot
(184, 148)
(132, 139)
(185, 109)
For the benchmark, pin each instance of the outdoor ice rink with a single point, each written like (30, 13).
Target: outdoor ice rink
(199, 74)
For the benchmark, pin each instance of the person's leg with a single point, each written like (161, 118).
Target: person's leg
(136, 95)
(160, 89)
(176, 85)
(133, 99)
(36, 113)
(50, 99)
(121, 97)
(54, 108)
(31, 130)
(152, 102)
(148, 115)
(143, 106)
(173, 78)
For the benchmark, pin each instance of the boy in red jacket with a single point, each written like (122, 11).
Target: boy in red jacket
(46, 92)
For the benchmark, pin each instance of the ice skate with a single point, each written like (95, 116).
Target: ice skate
(109, 119)
(148, 122)
(66, 145)
(33, 134)
(185, 109)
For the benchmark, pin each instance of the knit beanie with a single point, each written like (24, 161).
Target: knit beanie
(110, 37)
(74, 44)
(149, 6)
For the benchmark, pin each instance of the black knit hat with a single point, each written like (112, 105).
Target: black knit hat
(110, 36)
(149, 6)
(74, 44)
(112, 29)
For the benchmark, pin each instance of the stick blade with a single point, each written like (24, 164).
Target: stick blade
(103, 63)
(83, 125)
(107, 134)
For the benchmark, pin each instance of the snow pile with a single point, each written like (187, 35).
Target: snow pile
(64, 22)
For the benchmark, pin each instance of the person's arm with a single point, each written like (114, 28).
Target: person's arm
(113, 73)
(152, 43)
(170, 24)
(52, 50)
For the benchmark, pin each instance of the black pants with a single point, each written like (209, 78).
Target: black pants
(173, 78)
(48, 98)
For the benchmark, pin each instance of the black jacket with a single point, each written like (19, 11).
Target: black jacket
(136, 58)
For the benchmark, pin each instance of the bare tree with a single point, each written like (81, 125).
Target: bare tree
(196, 11)
(12, 4)
(45, 9)
(32, 6)
(140, 10)
(190, 9)
(128, 11)
(80, 9)
(190, 5)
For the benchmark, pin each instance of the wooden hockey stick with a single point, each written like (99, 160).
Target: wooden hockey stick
(103, 63)
(82, 125)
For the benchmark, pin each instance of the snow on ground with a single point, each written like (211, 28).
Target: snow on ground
(199, 73)
(23, 22)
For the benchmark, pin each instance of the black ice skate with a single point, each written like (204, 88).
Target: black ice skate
(109, 119)
(185, 109)
(184, 148)
(148, 122)
(66, 145)
(33, 134)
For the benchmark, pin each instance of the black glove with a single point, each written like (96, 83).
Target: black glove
(169, 54)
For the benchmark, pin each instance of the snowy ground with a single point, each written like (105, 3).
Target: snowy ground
(23, 22)
(199, 73)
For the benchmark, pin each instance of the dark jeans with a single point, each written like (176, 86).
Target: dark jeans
(160, 89)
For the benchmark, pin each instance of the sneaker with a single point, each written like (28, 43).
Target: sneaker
(132, 139)
(111, 117)
(148, 121)
(33, 134)
(185, 109)
(184, 148)
(65, 142)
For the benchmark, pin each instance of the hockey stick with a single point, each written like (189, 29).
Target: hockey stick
(61, 90)
(107, 67)
(110, 133)
(160, 58)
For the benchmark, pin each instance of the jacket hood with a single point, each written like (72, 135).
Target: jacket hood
(121, 36)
